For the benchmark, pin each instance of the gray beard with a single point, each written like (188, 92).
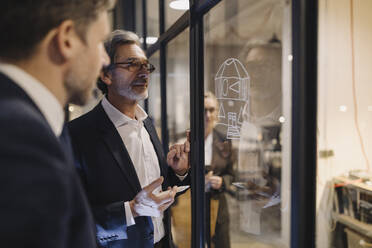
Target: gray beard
(131, 95)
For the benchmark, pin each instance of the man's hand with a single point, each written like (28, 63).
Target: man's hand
(178, 157)
(148, 204)
(215, 181)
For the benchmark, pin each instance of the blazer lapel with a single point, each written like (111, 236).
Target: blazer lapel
(117, 148)
(157, 145)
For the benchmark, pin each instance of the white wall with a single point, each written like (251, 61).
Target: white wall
(337, 130)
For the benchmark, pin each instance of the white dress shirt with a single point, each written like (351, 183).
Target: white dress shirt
(208, 149)
(142, 153)
(40, 95)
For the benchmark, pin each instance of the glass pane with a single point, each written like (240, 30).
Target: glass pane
(152, 21)
(178, 87)
(247, 121)
(344, 176)
(178, 109)
(154, 93)
(139, 18)
(174, 9)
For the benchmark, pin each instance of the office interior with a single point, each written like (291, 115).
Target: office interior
(293, 84)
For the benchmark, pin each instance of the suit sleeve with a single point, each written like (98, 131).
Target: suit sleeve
(110, 219)
(37, 188)
(228, 172)
(110, 222)
(228, 176)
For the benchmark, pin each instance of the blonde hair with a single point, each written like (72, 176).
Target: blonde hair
(210, 95)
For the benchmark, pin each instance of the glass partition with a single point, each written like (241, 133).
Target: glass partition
(247, 118)
(138, 17)
(152, 21)
(154, 93)
(178, 109)
(174, 9)
(178, 89)
(344, 176)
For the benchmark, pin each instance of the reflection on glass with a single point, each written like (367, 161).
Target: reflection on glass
(154, 99)
(244, 46)
(219, 176)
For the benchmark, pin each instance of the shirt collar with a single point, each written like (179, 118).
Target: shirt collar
(118, 118)
(42, 97)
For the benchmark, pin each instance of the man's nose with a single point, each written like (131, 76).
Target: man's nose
(143, 73)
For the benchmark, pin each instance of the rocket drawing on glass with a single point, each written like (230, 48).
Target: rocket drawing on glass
(232, 91)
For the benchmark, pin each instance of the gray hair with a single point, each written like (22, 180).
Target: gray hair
(117, 38)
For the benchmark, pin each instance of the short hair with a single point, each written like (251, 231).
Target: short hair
(25, 23)
(117, 38)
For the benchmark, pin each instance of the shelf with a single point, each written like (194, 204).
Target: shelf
(362, 228)
(348, 182)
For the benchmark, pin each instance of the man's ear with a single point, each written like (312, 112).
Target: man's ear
(105, 77)
(68, 42)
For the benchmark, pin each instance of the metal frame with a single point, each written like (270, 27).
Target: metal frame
(128, 16)
(197, 126)
(163, 79)
(144, 35)
(304, 110)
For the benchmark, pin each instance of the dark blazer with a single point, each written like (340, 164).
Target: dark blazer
(42, 202)
(222, 165)
(110, 178)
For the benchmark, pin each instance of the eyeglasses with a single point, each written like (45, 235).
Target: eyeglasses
(211, 110)
(136, 65)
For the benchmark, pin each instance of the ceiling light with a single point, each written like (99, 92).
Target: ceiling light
(149, 40)
(179, 4)
(343, 108)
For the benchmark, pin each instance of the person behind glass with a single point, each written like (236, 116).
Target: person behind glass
(51, 54)
(218, 155)
(119, 153)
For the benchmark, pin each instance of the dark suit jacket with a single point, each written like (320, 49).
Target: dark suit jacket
(42, 202)
(110, 177)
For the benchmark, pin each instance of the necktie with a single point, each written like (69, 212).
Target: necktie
(65, 141)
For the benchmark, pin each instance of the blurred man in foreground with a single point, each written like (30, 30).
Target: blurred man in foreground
(51, 54)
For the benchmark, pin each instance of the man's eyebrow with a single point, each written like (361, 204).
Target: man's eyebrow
(126, 59)
(132, 58)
